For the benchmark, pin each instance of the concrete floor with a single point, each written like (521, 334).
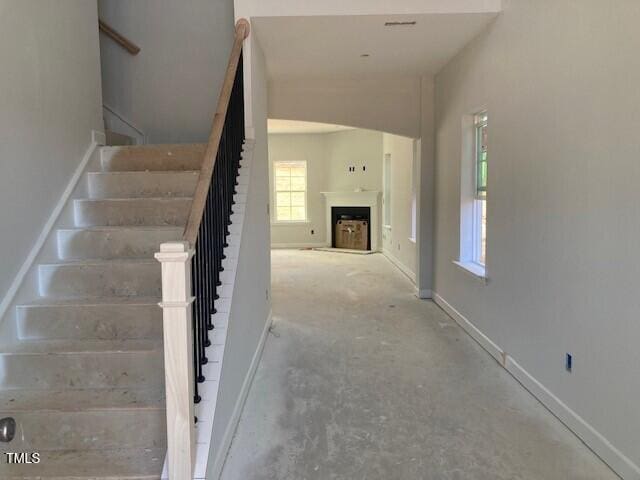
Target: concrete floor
(361, 380)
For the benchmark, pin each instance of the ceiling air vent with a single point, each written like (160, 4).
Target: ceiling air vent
(399, 24)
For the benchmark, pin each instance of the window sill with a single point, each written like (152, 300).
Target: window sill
(387, 227)
(289, 224)
(412, 240)
(474, 269)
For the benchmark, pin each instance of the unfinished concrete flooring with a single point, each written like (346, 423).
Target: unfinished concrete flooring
(361, 380)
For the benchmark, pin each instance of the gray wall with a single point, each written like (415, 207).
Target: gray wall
(387, 104)
(50, 102)
(169, 90)
(395, 241)
(560, 81)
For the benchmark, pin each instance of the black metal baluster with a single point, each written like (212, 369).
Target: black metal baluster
(214, 228)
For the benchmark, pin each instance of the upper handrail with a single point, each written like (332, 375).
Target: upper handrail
(206, 171)
(121, 40)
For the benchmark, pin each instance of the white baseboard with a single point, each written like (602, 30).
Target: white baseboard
(616, 460)
(403, 268)
(276, 246)
(424, 294)
(484, 341)
(221, 454)
(97, 139)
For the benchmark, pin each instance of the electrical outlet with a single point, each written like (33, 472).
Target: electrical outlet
(364, 168)
(568, 362)
(313, 232)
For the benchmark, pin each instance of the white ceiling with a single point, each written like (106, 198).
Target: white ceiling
(293, 126)
(331, 46)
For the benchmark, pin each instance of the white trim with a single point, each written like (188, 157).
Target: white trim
(622, 465)
(284, 223)
(51, 221)
(221, 456)
(399, 265)
(475, 269)
(484, 341)
(275, 246)
(424, 294)
(593, 439)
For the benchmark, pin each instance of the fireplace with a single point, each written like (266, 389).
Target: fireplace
(366, 202)
(351, 227)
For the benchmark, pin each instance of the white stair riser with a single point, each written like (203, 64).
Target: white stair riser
(150, 157)
(142, 184)
(114, 243)
(225, 291)
(117, 279)
(101, 322)
(242, 180)
(221, 319)
(82, 370)
(127, 464)
(89, 430)
(153, 212)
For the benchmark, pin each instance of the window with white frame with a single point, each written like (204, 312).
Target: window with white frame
(473, 194)
(415, 172)
(386, 190)
(290, 185)
(480, 197)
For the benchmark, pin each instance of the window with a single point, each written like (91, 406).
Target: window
(386, 193)
(290, 181)
(480, 198)
(415, 172)
(473, 194)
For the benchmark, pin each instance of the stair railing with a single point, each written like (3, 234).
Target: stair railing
(191, 268)
(117, 37)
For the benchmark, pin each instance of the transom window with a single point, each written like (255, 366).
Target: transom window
(480, 200)
(290, 180)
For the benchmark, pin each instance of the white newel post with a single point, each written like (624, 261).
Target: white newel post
(175, 258)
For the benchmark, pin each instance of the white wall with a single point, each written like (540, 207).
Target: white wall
(328, 157)
(313, 149)
(560, 81)
(251, 304)
(50, 96)
(170, 89)
(358, 148)
(396, 243)
(387, 104)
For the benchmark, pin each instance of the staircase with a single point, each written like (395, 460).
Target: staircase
(85, 379)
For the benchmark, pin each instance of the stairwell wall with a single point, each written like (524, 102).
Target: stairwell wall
(50, 92)
(169, 90)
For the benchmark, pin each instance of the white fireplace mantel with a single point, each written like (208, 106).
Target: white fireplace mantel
(365, 198)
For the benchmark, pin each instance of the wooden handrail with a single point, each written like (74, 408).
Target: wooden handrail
(121, 40)
(206, 171)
